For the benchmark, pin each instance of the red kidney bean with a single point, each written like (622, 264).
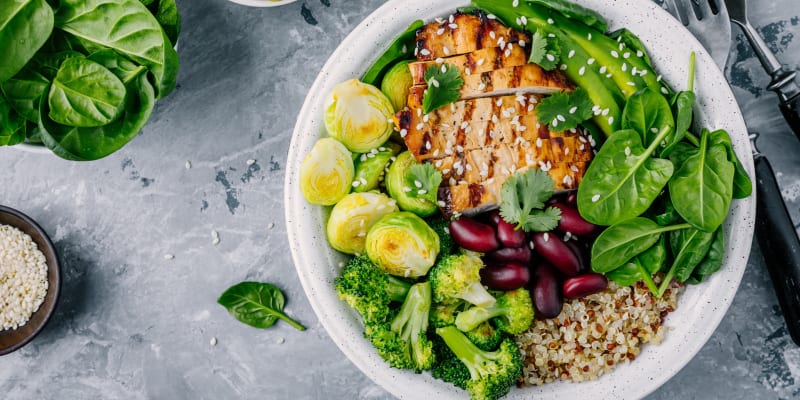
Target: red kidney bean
(473, 235)
(509, 236)
(572, 222)
(584, 285)
(552, 247)
(572, 198)
(581, 253)
(511, 254)
(494, 217)
(505, 277)
(546, 292)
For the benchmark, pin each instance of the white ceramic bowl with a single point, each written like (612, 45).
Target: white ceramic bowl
(262, 3)
(700, 308)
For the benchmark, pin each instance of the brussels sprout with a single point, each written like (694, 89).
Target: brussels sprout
(326, 173)
(396, 83)
(353, 216)
(402, 244)
(359, 116)
(371, 167)
(396, 186)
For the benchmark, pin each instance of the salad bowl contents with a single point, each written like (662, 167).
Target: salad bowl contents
(542, 204)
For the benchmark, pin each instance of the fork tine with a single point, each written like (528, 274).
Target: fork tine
(705, 8)
(673, 9)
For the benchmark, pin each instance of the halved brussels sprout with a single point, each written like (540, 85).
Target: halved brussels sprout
(326, 174)
(371, 167)
(359, 116)
(396, 186)
(402, 244)
(353, 216)
(396, 83)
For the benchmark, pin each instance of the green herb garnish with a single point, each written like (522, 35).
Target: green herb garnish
(545, 52)
(422, 181)
(523, 201)
(444, 86)
(564, 111)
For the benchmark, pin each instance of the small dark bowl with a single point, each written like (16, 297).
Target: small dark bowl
(11, 340)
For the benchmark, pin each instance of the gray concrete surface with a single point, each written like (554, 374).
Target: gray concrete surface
(134, 325)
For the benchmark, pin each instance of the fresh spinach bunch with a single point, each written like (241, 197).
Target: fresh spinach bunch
(83, 78)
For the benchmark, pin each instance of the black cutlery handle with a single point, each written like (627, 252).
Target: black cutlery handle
(779, 245)
(791, 111)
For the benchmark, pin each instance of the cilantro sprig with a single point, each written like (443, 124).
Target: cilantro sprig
(523, 199)
(444, 86)
(422, 181)
(545, 51)
(564, 111)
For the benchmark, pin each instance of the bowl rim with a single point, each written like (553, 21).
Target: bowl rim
(55, 286)
(716, 107)
(262, 3)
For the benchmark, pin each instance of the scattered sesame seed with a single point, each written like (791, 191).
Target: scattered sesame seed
(522, 42)
(271, 225)
(546, 237)
(571, 54)
(561, 118)
(453, 26)
(440, 31)
(439, 60)
(188, 164)
(589, 36)
(639, 53)
(446, 52)
(614, 54)
(664, 90)
(169, 256)
(550, 21)
(515, 3)
(582, 71)
(425, 52)
(611, 120)
(356, 183)
(422, 191)
(550, 57)
(631, 84)
(595, 198)
(213, 341)
(403, 133)
(563, 67)
(624, 67)
(480, 62)
(280, 340)
(491, 16)
(627, 54)
(627, 151)
(603, 69)
(524, 20)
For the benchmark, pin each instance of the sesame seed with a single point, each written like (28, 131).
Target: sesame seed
(555, 122)
(550, 57)
(439, 60)
(213, 341)
(356, 183)
(574, 168)
(522, 42)
(563, 67)
(480, 62)
(605, 112)
(446, 52)
(566, 151)
(561, 118)
(418, 184)
(654, 130)
(441, 203)
(627, 151)
(215, 241)
(169, 256)
(444, 68)
(453, 26)
(658, 78)
(491, 16)
(589, 36)
(467, 71)
(611, 120)
(406, 189)
(362, 234)
(603, 69)
(624, 67)
(538, 142)
(440, 31)
(551, 35)
(639, 53)
(590, 61)
(422, 191)
(582, 71)
(631, 84)
(492, 34)
(664, 90)
(426, 117)
(626, 54)
(571, 54)
(595, 198)
(524, 20)
(403, 133)
(546, 237)
(515, 3)
(425, 52)
(451, 19)
(550, 21)
(188, 164)
(420, 126)
(428, 145)
(482, 86)
(614, 54)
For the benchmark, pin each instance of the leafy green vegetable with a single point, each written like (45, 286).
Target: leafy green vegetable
(648, 113)
(85, 94)
(684, 103)
(12, 125)
(256, 304)
(120, 66)
(444, 86)
(170, 20)
(623, 180)
(47, 64)
(400, 49)
(423, 180)
(625, 240)
(689, 247)
(25, 26)
(642, 267)
(713, 260)
(742, 185)
(99, 23)
(575, 12)
(668, 215)
(563, 111)
(545, 52)
(23, 92)
(523, 201)
(632, 41)
(701, 189)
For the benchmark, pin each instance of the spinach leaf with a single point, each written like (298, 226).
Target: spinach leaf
(742, 185)
(256, 304)
(702, 187)
(667, 215)
(24, 27)
(126, 26)
(12, 125)
(170, 20)
(648, 113)
(85, 94)
(642, 267)
(625, 240)
(713, 260)
(689, 247)
(576, 12)
(684, 101)
(23, 92)
(400, 49)
(47, 64)
(120, 66)
(85, 144)
(623, 180)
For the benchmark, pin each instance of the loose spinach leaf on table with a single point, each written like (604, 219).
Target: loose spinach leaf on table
(623, 180)
(400, 49)
(742, 185)
(702, 187)
(98, 22)
(85, 94)
(648, 113)
(24, 27)
(23, 92)
(256, 304)
(625, 240)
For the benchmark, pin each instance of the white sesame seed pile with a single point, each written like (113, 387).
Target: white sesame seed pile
(23, 277)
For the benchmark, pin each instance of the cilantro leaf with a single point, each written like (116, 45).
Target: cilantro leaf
(523, 197)
(563, 111)
(545, 52)
(422, 181)
(444, 86)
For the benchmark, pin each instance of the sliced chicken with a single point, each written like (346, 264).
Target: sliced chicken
(464, 33)
(479, 61)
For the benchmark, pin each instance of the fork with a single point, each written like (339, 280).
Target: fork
(708, 21)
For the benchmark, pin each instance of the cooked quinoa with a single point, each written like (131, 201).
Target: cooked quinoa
(594, 334)
(23, 277)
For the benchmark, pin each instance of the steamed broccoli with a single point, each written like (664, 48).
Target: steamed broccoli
(458, 277)
(403, 341)
(485, 336)
(448, 367)
(513, 313)
(445, 314)
(492, 373)
(369, 290)
(441, 226)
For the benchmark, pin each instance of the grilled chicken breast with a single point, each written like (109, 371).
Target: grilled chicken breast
(463, 33)
(479, 61)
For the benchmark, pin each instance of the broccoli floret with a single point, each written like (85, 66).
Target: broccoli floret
(403, 342)
(458, 277)
(445, 314)
(448, 367)
(369, 290)
(492, 373)
(485, 336)
(441, 226)
(512, 312)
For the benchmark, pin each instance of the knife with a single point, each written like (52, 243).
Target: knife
(783, 82)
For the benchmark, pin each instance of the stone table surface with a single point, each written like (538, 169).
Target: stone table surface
(132, 324)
